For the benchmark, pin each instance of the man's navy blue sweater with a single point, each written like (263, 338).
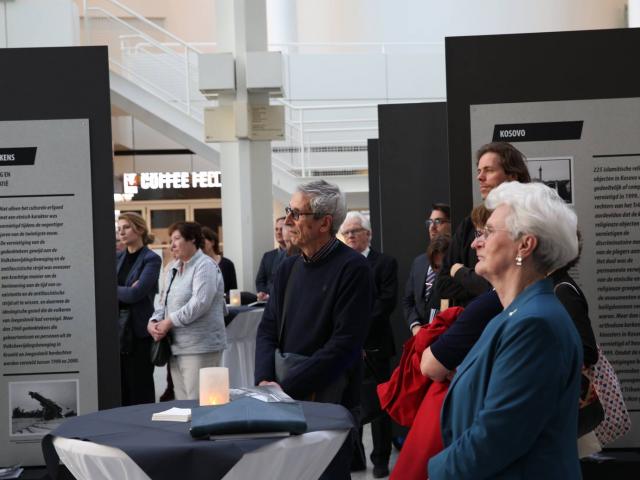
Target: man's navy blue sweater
(327, 319)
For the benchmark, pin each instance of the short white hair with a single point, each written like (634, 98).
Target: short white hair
(360, 218)
(538, 210)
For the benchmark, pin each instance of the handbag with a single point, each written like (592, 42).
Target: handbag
(161, 351)
(125, 332)
(284, 362)
(616, 421)
(590, 411)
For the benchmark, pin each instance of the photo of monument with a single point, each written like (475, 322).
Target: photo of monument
(36, 408)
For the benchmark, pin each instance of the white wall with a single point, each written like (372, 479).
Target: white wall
(38, 23)
(432, 20)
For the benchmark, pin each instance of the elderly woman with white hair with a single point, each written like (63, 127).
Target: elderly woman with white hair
(512, 409)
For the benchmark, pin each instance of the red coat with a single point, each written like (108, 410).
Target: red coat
(414, 400)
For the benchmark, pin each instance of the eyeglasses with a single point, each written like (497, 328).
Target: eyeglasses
(435, 222)
(295, 214)
(355, 231)
(485, 232)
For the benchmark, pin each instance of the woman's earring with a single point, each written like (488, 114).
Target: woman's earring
(519, 260)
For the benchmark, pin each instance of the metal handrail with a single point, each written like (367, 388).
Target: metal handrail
(143, 20)
(383, 45)
(325, 107)
(297, 121)
(184, 58)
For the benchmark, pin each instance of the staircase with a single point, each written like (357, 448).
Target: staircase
(154, 78)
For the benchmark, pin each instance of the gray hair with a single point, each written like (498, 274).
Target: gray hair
(360, 218)
(325, 199)
(538, 210)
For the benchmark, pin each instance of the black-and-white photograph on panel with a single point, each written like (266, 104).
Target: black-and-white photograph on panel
(554, 173)
(37, 408)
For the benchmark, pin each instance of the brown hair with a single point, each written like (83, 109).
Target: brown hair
(210, 235)
(479, 215)
(139, 225)
(512, 161)
(442, 207)
(189, 231)
(440, 244)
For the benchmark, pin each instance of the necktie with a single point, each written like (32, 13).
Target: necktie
(428, 283)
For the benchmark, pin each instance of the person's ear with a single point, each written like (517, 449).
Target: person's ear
(325, 225)
(527, 245)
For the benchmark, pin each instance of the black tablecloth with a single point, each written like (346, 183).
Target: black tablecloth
(165, 450)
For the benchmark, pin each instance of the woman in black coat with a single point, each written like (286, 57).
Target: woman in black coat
(138, 269)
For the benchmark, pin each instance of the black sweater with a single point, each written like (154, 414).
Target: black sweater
(327, 319)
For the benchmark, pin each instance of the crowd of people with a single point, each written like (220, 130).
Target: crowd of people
(503, 374)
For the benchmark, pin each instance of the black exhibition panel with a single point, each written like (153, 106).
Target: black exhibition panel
(374, 193)
(73, 83)
(530, 67)
(412, 174)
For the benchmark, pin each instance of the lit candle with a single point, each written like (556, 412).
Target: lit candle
(234, 297)
(214, 386)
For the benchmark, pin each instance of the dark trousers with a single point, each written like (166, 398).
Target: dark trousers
(381, 425)
(340, 466)
(136, 373)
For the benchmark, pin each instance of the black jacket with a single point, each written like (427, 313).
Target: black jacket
(466, 285)
(385, 279)
(270, 262)
(413, 302)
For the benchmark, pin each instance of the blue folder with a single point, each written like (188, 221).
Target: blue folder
(247, 415)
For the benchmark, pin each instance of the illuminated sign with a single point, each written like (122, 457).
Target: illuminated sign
(159, 180)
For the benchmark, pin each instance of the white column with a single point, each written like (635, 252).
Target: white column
(246, 165)
(282, 18)
(633, 13)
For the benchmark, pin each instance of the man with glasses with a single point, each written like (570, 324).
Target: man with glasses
(379, 345)
(310, 339)
(419, 287)
(270, 262)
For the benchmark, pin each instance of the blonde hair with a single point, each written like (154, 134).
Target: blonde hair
(139, 225)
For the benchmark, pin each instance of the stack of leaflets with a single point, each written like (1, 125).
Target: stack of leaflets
(172, 415)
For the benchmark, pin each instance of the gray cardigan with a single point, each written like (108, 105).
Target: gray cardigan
(195, 306)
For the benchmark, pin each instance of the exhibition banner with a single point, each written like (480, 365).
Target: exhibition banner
(589, 151)
(47, 288)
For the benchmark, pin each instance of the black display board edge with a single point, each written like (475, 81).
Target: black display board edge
(530, 67)
(69, 83)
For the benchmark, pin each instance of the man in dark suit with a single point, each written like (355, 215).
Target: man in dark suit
(379, 344)
(419, 286)
(270, 262)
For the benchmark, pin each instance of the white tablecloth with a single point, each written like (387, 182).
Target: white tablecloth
(240, 354)
(301, 457)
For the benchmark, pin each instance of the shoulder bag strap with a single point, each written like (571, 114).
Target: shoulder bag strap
(287, 297)
(555, 289)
